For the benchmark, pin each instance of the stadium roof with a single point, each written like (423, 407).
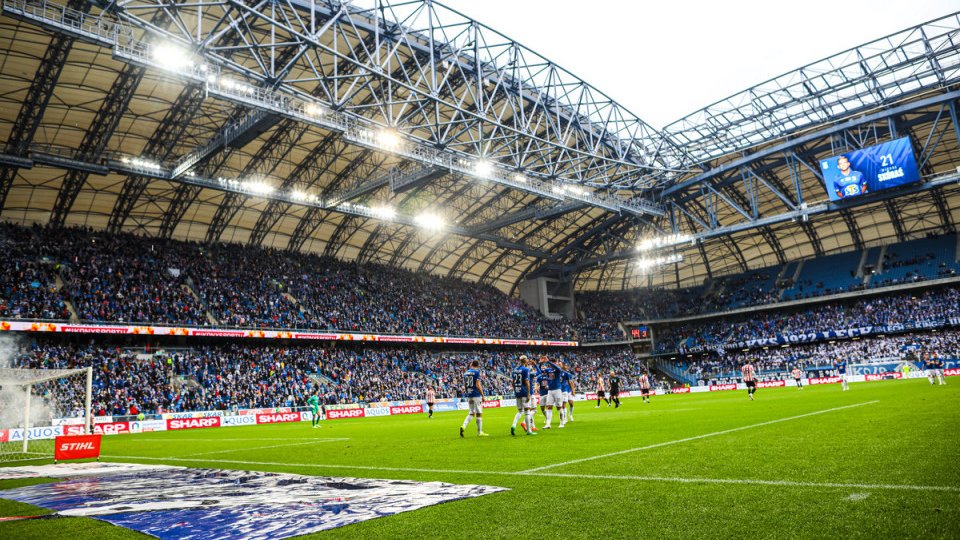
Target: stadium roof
(335, 129)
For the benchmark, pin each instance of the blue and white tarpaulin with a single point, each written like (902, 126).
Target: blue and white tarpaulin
(175, 502)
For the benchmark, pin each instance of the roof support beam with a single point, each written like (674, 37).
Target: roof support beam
(35, 103)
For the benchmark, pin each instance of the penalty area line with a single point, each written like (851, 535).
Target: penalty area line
(694, 438)
(661, 479)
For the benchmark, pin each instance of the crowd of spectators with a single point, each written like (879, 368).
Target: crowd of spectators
(28, 288)
(235, 376)
(125, 278)
(131, 279)
(777, 362)
(934, 307)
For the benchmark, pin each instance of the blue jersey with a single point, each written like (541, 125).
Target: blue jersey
(552, 373)
(841, 368)
(521, 377)
(850, 185)
(542, 383)
(565, 381)
(470, 379)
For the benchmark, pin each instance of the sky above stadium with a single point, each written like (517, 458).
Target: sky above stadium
(664, 60)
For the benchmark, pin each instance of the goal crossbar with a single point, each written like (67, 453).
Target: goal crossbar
(28, 378)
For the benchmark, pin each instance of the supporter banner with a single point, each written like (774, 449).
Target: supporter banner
(823, 380)
(276, 418)
(721, 387)
(232, 421)
(77, 447)
(407, 409)
(193, 423)
(771, 384)
(345, 413)
(823, 335)
(25, 326)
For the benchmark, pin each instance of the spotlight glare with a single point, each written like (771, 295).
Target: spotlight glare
(388, 139)
(483, 168)
(260, 188)
(429, 221)
(171, 56)
(384, 212)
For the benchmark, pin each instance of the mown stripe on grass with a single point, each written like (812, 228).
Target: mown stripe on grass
(696, 437)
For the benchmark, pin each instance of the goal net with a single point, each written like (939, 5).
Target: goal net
(38, 404)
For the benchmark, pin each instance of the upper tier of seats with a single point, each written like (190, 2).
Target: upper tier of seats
(915, 260)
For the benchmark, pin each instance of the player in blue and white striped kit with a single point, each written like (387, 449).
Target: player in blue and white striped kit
(473, 391)
(523, 389)
(552, 373)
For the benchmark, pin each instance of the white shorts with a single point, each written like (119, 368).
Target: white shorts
(555, 398)
(476, 405)
(542, 400)
(567, 396)
(525, 403)
(931, 373)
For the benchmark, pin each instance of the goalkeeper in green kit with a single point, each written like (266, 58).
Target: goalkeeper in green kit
(314, 403)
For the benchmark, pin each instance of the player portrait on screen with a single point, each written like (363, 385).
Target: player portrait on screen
(848, 183)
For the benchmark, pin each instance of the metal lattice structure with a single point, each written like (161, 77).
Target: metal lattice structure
(176, 114)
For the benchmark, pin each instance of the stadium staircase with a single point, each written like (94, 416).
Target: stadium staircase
(59, 286)
(666, 376)
(190, 287)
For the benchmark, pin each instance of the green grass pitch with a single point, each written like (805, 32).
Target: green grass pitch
(878, 461)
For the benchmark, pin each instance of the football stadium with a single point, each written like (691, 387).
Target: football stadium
(376, 269)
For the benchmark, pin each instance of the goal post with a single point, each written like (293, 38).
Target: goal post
(47, 400)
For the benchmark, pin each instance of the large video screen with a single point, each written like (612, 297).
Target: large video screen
(871, 169)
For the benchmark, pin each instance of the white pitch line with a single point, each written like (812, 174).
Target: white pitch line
(694, 438)
(664, 479)
(304, 443)
(155, 439)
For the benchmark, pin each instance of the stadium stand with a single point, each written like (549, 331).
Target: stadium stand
(917, 260)
(126, 278)
(817, 358)
(826, 275)
(933, 308)
(232, 376)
